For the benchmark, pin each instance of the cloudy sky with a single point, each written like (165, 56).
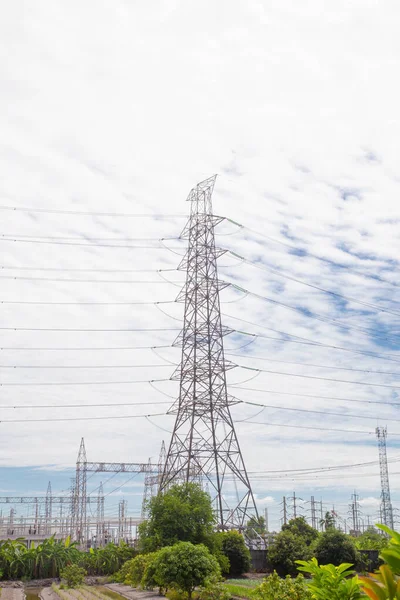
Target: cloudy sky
(110, 113)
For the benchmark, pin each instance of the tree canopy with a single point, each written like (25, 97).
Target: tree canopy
(335, 547)
(232, 545)
(182, 514)
(301, 528)
(285, 551)
(185, 566)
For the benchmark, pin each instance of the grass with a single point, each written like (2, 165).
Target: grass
(240, 591)
(248, 583)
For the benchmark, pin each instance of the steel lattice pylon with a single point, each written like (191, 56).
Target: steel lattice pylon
(386, 504)
(204, 445)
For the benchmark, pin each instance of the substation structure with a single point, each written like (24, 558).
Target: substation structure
(79, 514)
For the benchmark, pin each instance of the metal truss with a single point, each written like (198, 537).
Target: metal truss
(204, 446)
(386, 504)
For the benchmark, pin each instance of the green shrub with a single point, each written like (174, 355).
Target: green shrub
(285, 551)
(73, 575)
(275, 588)
(135, 571)
(122, 575)
(183, 566)
(334, 547)
(213, 590)
(232, 545)
(330, 582)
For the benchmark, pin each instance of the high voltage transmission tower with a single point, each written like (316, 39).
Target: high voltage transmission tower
(204, 446)
(386, 504)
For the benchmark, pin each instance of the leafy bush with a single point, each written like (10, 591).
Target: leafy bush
(183, 566)
(382, 586)
(133, 571)
(330, 582)
(391, 554)
(122, 575)
(275, 588)
(385, 585)
(285, 551)
(213, 590)
(371, 540)
(334, 547)
(73, 575)
(232, 545)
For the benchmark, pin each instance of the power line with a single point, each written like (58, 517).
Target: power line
(384, 385)
(313, 315)
(307, 342)
(83, 330)
(45, 420)
(313, 428)
(51, 303)
(67, 383)
(18, 268)
(85, 348)
(317, 396)
(11, 237)
(322, 469)
(301, 252)
(64, 280)
(313, 286)
(301, 364)
(321, 412)
(54, 242)
(85, 366)
(90, 213)
(60, 406)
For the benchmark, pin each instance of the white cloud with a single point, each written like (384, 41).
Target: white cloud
(125, 108)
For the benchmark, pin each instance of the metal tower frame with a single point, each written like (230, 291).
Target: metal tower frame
(80, 498)
(204, 445)
(386, 504)
(100, 528)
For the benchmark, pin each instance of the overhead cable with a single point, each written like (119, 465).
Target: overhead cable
(90, 213)
(383, 385)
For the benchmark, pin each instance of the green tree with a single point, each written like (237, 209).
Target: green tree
(302, 529)
(286, 549)
(183, 513)
(184, 566)
(232, 545)
(335, 547)
(328, 522)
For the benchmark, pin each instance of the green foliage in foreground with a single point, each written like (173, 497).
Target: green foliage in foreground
(51, 556)
(330, 582)
(73, 575)
(385, 585)
(275, 588)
